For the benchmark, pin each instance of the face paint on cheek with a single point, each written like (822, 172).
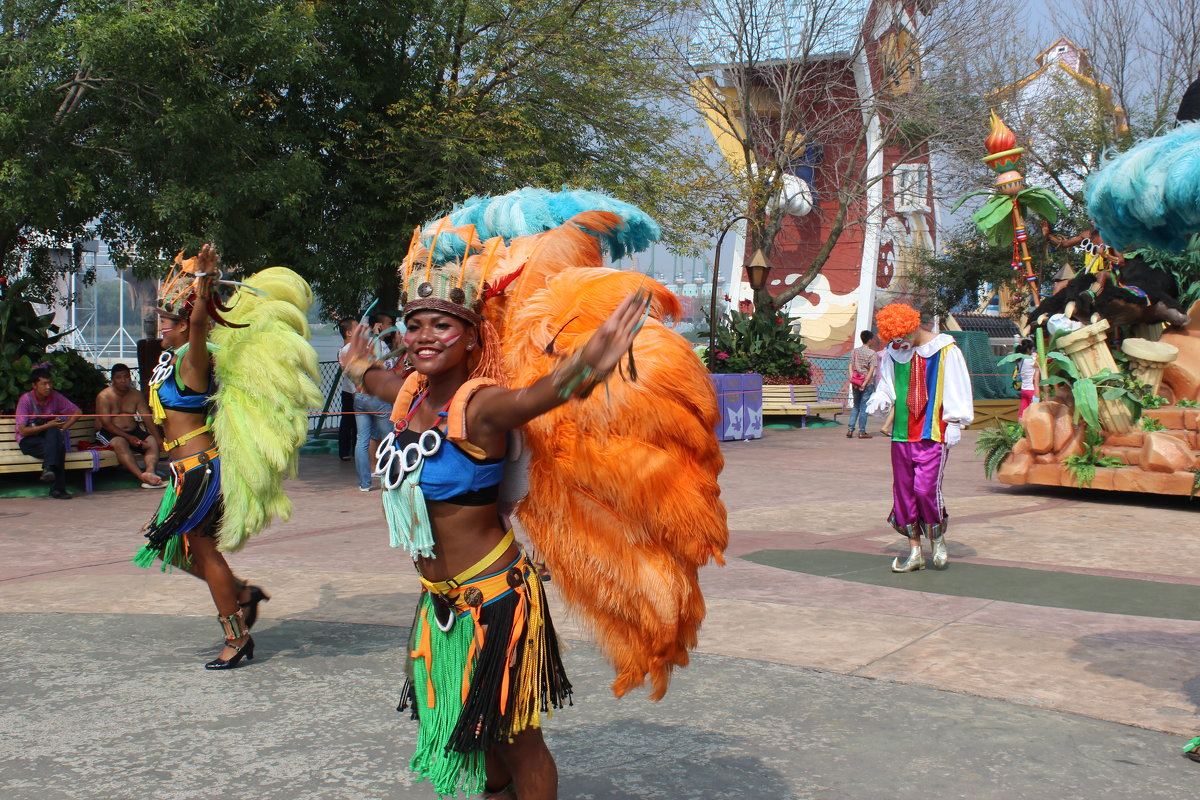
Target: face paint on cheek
(409, 338)
(450, 338)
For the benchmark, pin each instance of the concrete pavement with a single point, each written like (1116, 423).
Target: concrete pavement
(805, 685)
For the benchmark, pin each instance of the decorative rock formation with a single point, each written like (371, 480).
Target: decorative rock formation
(1148, 360)
(1162, 452)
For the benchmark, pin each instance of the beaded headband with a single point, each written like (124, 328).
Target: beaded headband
(455, 286)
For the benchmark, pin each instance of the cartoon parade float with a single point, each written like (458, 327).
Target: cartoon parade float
(1117, 353)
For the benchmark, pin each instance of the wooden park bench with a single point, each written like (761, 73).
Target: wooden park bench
(12, 460)
(800, 400)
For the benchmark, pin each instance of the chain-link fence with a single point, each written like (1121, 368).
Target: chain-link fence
(831, 376)
(989, 380)
(332, 403)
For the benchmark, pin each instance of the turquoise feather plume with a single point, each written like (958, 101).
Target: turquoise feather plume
(528, 211)
(267, 381)
(1150, 194)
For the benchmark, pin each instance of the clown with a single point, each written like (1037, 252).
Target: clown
(928, 373)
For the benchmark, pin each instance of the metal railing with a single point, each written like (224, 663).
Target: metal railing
(325, 418)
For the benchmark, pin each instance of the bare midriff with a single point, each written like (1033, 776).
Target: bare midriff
(462, 535)
(179, 424)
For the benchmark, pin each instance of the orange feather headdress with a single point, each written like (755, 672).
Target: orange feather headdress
(184, 283)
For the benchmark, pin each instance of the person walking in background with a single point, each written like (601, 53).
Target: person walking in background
(862, 384)
(43, 424)
(372, 413)
(1028, 373)
(347, 428)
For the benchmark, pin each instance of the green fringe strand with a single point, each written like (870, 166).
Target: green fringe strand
(450, 772)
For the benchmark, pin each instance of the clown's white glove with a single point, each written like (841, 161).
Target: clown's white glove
(953, 434)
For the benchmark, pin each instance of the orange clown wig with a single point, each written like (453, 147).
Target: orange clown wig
(896, 320)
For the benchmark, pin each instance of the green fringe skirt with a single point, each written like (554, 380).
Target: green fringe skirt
(484, 665)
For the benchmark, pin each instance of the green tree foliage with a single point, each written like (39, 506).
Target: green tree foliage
(24, 337)
(317, 134)
(969, 265)
(46, 184)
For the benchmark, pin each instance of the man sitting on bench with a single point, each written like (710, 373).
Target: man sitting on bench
(43, 420)
(120, 411)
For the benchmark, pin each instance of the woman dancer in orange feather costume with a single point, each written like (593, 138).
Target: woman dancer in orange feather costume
(623, 499)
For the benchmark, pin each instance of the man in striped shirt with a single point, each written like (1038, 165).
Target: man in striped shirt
(925, 377)
(862, 383)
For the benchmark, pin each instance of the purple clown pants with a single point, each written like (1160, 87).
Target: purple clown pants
(917, 469)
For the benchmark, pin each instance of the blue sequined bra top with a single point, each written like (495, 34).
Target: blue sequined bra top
(451, 475)
(172, 394)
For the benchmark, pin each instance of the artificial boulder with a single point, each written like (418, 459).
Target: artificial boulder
(1162, 452)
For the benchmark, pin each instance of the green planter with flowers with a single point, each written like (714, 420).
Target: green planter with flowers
(761, 341)
(753, 347)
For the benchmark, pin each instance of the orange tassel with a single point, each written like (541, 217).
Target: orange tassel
(425, 650)
(476, 647)
(514, 637)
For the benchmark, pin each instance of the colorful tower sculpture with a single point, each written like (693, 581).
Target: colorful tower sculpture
(1000, 218)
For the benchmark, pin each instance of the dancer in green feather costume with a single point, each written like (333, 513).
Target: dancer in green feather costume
(231, 446)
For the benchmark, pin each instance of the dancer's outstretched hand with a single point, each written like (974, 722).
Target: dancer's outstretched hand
(614, 338)
(206, 260)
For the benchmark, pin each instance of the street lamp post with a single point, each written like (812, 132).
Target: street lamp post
(712, 312)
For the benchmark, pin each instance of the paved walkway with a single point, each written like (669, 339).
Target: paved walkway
(806, 684)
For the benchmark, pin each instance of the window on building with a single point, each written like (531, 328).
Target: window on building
(910, 187)
(900, 61)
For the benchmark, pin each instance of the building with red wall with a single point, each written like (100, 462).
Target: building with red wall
(851, 69)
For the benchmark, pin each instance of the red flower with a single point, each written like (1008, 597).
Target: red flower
(779, 320)
(746, 307)
(722, 356)
(728, 299)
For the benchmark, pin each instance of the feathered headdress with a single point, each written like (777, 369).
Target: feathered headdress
(448, 284)
(455, 286)
(529, 211)
(184, 283)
